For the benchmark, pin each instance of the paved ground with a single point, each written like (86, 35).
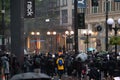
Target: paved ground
(65, 77)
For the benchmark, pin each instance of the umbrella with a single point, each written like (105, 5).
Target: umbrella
(116, 78)
(102, 53)
(30, 75)
(82, 56)
(90, 49)
(25, 52)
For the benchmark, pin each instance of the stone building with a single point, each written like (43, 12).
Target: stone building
(94, 16)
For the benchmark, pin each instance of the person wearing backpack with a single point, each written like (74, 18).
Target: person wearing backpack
(60, 66)
(37, 63)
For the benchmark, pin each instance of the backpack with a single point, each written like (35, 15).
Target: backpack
(37, 60)
(60, 62)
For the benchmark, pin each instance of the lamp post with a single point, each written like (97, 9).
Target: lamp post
(37, 46)
(75, 26)
(106, 39)
(52, 34)
(69, 38)
(87, 33)
(110, 22)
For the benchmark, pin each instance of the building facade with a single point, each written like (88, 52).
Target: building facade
(94, 16)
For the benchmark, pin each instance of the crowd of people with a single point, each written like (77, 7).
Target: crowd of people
(66, 63)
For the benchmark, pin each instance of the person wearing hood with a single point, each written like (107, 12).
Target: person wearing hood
(5, 63)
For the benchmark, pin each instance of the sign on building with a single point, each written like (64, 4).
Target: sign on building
(29, 9)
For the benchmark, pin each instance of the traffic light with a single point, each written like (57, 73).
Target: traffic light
(81, 21)
(94, 2)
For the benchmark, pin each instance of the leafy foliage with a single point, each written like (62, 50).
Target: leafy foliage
(7, 11)
(115, 40)
(6, 15)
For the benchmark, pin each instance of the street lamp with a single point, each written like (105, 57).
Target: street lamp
(37, 42)
(87, 33)
(35, 33)
(69, 39)
(52, 34)
(47, 20)
(110, 22)
(106, 31)
(76, 26)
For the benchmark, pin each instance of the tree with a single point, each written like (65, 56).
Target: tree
(7, 11)
(6, 15)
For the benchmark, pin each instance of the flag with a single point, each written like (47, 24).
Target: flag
(81, 3)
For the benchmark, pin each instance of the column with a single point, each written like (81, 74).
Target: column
(17, 34)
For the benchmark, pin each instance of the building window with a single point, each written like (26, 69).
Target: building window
(109, 6)
(64, 2)
(94, 9)
(61, 3)
(118, 7)
(64, 16)
(72, 2)
(58, 3)
(82, 10)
